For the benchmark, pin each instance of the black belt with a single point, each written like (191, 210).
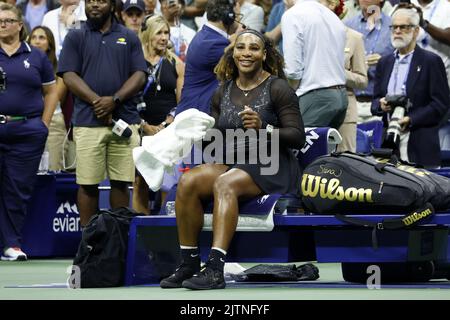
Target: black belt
(364, 99)
(339, 86)
(4, 118)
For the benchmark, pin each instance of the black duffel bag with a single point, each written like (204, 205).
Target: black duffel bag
(347, 183)
(102, 252)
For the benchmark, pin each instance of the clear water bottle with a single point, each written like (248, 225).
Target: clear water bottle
(170, 208)
(43, 165)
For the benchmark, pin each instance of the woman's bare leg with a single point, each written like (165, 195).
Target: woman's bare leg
(194, 186)
(230, 187)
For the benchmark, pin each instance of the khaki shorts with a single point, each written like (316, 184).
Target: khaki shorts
(55, 142)
(102, 154)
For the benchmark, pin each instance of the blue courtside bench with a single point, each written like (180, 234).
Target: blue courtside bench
(285, 234)
(153, 249)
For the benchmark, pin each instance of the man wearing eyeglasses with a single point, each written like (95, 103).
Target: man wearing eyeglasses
(419, 75)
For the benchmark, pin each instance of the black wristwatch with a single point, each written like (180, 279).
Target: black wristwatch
(425, 24)
(117, 101)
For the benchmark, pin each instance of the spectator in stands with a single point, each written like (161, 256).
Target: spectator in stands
(249, 14)
(354, 9)
(161, 92)
(133, 14)
(374, 25)
(313, 46)
(419, 75)
(252, 71)
(273, 30)
(104, 77)
(180, 34)
(28, 98)
(34, 11)
(41, 37)
(355, 74)
(69, 16)
(266, 5)
(118, 11)
(193, 9)
(252, 15)
(150, 6)
(436, 27)
(205, 51)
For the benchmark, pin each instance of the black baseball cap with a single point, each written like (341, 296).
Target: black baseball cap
(138, 4)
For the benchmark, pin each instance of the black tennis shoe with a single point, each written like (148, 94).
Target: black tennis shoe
(208, 278)
(183, 272)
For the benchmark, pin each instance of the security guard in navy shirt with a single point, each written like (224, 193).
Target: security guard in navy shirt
(28, 99)
(102, 64)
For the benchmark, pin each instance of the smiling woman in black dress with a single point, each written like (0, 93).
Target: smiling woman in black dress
(253, 96)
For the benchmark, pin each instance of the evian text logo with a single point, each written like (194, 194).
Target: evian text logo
(67, 218)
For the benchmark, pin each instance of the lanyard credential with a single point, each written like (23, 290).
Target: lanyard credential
(152, 77)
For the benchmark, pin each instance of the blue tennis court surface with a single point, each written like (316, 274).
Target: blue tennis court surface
(46, 279)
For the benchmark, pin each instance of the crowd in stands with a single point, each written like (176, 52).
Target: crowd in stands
(105, 73)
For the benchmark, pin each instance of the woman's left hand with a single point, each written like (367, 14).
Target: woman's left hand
(250, 118)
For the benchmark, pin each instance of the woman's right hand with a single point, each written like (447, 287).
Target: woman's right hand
(250, 118)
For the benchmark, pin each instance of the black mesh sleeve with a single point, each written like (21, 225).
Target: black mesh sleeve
(285, 104)
(215, 105)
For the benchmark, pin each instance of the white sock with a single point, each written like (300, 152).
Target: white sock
(188, 247)
(221, 250)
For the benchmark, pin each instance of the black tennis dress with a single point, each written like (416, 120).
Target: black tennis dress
(277, 104)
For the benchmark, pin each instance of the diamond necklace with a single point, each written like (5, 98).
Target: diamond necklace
(246, 92)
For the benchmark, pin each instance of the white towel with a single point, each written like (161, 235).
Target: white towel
(163, 150)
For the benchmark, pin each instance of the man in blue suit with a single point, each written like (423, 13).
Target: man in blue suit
(419, 75)
(205, 51)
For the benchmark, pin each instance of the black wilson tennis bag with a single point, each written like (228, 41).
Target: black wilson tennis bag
(349, 183)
